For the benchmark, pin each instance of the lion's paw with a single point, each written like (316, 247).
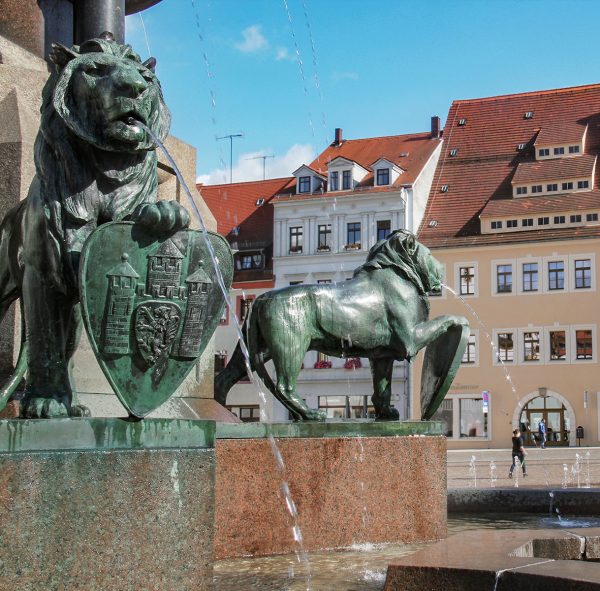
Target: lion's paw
(79, 410)
(315, 415)
(163, 216)
(44, 408)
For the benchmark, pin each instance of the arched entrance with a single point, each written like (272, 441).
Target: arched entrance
(554, 409)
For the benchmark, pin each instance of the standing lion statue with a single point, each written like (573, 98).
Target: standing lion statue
(94, 164)
(382, 313)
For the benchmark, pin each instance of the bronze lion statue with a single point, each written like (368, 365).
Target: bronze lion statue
(381, 313)
(93, 165)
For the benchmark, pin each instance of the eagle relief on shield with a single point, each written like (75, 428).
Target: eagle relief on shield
(150, 305)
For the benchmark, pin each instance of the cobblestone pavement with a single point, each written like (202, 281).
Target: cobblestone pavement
(548, 468)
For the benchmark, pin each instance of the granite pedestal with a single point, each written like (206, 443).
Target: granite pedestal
(106, 504)
(352, 482)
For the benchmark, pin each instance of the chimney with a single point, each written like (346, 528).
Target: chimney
(338, 136)
(435, 126)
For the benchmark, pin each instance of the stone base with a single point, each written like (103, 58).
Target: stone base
(381, 482)
(105, 504)
(526, 560)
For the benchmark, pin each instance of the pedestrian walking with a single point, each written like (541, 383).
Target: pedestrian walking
(518, 453)
(542, 433)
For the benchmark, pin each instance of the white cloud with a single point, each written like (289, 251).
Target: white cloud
(253, 41)
(338, 76)
(282, 53)
(250, 168)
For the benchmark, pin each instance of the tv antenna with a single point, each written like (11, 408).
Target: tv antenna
(264, 159)
(230, 136)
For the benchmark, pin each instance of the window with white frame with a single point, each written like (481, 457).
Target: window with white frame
(530, 277)
(324, 237)
(556, 275)
(557, 343)
(384, 227)
(531, 345)
(504, 278)
(296, 239)
(346, 180)
(304, 184)
(470, 355)
(383, 176)
(334, 180)
(583, 274)
(583, 344)
(467, 280)
(506, 347)
(353, 234)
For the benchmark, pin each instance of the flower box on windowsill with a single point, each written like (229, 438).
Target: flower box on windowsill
(322, 365)
(352, 363)
(324, 248)
(353, 246)
(295, 249)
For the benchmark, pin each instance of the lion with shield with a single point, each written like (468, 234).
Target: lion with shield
(93, 165)
(381, 313)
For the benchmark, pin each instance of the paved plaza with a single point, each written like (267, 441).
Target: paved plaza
(545, 468)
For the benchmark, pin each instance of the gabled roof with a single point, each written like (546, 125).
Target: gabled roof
(555, 169)
(488, 156)
(583, 201)
(167, 249)
(560, 132)
(410, 152)
(309, 168)
(386, 161)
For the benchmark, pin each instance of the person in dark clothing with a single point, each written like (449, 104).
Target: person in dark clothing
(518, 452)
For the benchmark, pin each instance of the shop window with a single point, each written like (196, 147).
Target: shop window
(445, 414)
(473, 421)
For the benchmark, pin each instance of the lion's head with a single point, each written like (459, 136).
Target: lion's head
(408, 257)
(98, 87)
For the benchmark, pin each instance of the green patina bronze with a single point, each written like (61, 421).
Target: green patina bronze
(150, 306)
(94, 165)
(381, 313)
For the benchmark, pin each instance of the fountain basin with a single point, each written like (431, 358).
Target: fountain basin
(527, 560)
(106, 504)
(353, 482)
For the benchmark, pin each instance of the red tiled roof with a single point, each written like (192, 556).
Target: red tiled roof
(488, 156)
(581, 201)
(409, 151)
(560, 132)
(234, 205)
(555, 169)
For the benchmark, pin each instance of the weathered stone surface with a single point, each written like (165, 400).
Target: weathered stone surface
(108, 519)
(347, 490)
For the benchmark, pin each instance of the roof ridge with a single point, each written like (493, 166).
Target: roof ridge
(283, 178)
(381, 137)
(529, 93)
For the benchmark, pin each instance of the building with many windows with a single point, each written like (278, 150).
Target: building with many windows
(326, 219)
(244, 214)
(513, 215)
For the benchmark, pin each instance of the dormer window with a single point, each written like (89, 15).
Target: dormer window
(559, 151)
(573, 149)
(583, 184)
(346, 180)
(334, 180)
(544, 152)
(383, 176)
(304, 184)
(521, 190)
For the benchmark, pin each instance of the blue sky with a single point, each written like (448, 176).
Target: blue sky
(371, 68)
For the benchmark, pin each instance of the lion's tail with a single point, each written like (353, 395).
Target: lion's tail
(9, 292)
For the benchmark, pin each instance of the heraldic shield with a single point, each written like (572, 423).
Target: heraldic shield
(150, 305)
